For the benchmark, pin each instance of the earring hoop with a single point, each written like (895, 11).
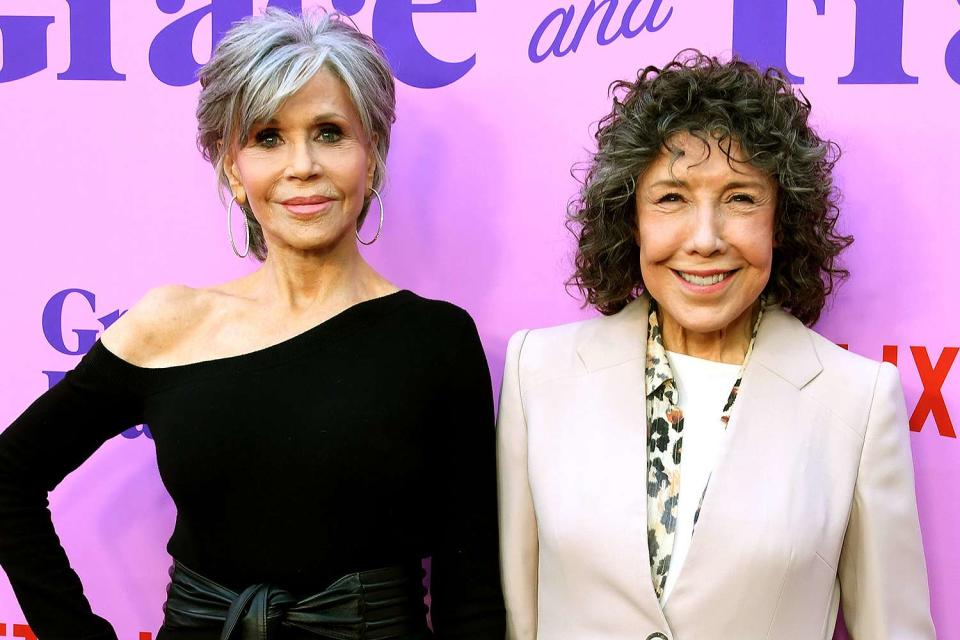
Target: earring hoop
(246, 228)
(379, 226)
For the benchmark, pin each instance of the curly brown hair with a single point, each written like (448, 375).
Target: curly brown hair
(733, 102)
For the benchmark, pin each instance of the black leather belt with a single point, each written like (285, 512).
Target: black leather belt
(380, 604)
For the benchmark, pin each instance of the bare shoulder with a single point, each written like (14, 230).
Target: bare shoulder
(158, 323)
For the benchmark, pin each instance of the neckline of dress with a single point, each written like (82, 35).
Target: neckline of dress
(278, 349)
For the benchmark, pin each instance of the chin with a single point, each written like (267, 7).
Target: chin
(700, 324)
(700, 318)
(315, 241)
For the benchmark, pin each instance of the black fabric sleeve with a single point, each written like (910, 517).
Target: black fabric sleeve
(466, 597)
(50, 439)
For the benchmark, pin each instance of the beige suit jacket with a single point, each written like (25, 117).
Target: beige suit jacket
(812, 504)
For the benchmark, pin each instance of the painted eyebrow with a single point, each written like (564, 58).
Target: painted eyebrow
(318, 119)
(743, 184)
(330, 115)
(669, 183)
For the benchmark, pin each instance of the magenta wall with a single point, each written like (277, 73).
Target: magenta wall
(102, 190)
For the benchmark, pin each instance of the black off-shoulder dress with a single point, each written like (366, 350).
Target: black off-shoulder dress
(365, 442)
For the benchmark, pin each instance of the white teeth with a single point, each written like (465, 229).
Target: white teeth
(703, 281)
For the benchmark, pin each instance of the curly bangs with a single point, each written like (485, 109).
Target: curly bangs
(735, 103)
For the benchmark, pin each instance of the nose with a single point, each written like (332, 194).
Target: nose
(303, 161)
(706, 231)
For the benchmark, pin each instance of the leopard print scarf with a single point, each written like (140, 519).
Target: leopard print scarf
(665, 446)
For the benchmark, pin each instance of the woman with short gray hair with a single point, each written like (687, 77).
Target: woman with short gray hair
(320, 430)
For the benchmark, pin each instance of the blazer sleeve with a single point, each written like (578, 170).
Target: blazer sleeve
(883, 578)
(519, 547)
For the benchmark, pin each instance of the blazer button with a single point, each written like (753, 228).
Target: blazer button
(656, 635)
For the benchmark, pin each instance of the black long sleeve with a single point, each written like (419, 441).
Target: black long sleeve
(467, 600)
(367, 441)
(52, 438)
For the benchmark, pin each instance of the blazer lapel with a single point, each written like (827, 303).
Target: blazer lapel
(620, 341)
(783, 362)
(783, 344)
(784, 347)
(616, 339)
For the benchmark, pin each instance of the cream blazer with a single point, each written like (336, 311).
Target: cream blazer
(812, 504)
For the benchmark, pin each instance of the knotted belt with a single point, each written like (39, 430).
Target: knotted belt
(380, 604)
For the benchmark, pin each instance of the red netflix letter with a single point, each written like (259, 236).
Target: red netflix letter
(931, 401)
(23, 631)
(890, 354)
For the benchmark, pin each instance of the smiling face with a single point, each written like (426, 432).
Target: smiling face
(705, 232)
(306, 171)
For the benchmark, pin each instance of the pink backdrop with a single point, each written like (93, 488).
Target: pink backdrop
(103, 190)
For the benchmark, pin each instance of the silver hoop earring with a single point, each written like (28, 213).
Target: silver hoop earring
(246, 227)
(379, 226)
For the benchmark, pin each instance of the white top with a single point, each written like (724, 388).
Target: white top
(703, 387)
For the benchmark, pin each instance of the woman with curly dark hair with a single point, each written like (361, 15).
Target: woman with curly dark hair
(776, 465)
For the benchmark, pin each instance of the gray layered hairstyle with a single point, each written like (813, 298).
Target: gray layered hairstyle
(263, 60)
